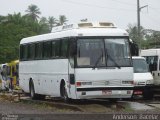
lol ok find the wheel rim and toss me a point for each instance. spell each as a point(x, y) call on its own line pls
point(32, 91)
point(65, 96)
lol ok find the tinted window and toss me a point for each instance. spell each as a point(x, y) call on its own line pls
point(47, 49)
point(31, 51)
point(55, 48)
point(21, 52)
point(25, 52)
point(64, 48)
point(38, 50)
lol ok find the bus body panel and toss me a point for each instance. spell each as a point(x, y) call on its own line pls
point(90, 74)
point(46, 75)
point(103, 79)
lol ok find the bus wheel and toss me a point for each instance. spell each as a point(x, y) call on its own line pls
point(148, 94)
point(32, 91)
point(64, 94)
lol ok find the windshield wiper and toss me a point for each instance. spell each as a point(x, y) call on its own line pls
point(96, 63)
point(109, 56)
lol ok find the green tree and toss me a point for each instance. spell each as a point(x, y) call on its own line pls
point(133, 33)
point(43, 25)
point(52, 22)
point(153, 39)
point(33, 12)
point(62, 20)
point(12, 30)
point(15, 27)
point(2, 19)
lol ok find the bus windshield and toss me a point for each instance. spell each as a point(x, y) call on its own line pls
point(108, 52)
point(140, 66)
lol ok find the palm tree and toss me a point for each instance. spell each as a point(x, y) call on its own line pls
point(43, 20)
point(62, 19)
point(33, 12)
point(43, 26)
point(52, 22)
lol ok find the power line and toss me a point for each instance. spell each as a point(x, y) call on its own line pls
point(98, 6)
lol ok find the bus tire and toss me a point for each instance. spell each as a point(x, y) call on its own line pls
point(41, 97)
point(63, 92)
point(113, 100)
point(33, 95)
point(148, 94)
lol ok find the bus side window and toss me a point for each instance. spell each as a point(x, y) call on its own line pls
point(21, 52)
point(25, 52)
point(38, 50)
point(31, 51)
point(55, 49)
point(64, 48)
point(47, 49)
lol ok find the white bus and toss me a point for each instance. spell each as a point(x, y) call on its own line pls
point(77, 61)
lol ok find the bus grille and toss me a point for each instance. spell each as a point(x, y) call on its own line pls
point(107, 83)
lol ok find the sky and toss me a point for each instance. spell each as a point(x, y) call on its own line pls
point(120, 12)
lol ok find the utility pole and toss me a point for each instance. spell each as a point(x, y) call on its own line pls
point(139, 20)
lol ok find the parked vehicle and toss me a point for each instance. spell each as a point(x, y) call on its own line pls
point(3, 77)
point(153, 59)
point(13, 74)
point(77, 61)
point(143, 79)
point(9, 75)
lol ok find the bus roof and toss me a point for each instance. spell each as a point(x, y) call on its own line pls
point(77, 31)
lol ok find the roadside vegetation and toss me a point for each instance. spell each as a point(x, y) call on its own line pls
point(14, 27)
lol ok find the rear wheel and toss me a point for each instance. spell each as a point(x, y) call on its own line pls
point(33, 95)
point(64, 94)
point(148, 94)
point(32, 91)
point(113, 100)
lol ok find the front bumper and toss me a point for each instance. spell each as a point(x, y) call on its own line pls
point(139, 90)
point(104, 92)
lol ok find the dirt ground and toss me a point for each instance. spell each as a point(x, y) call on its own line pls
point(92, 109)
